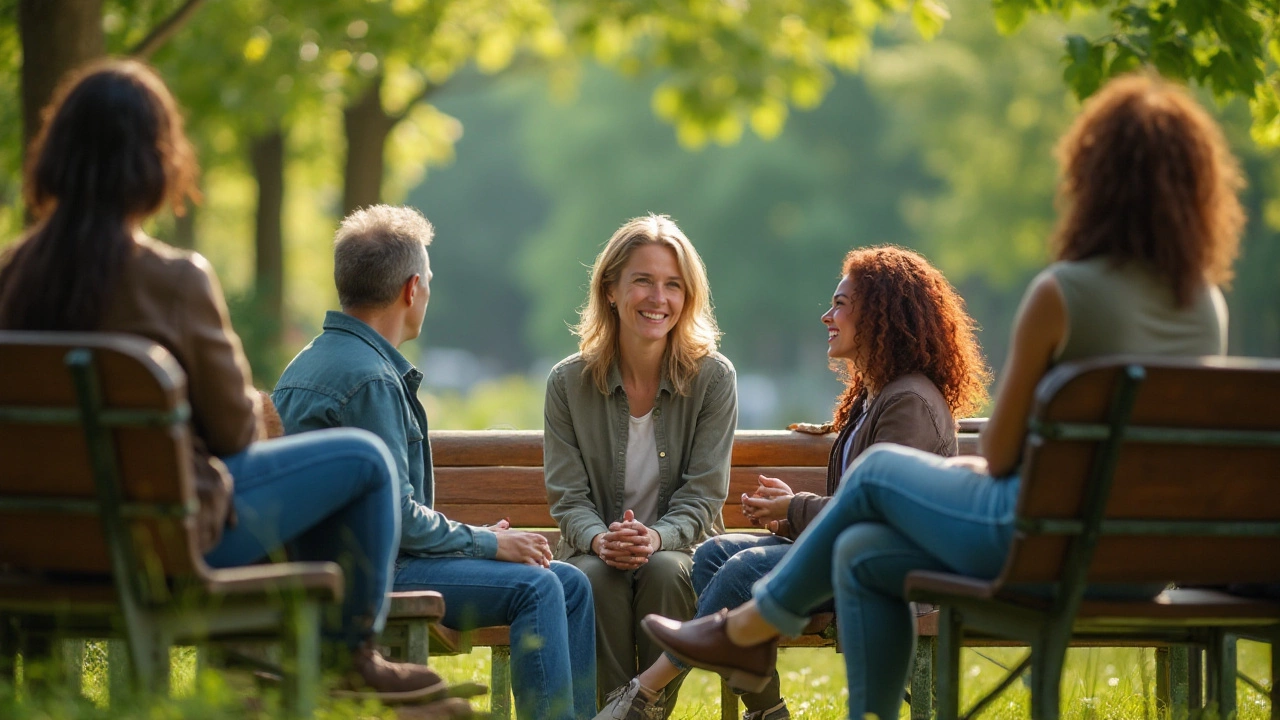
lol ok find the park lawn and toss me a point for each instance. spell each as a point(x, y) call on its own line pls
point(1100, 683)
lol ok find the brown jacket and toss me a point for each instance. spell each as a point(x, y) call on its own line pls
point(173, 298)
point(909, 411)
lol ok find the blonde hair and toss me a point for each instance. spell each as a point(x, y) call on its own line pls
point(695, 333)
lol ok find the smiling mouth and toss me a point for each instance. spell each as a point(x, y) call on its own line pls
point(653, 316)
point(832, 334)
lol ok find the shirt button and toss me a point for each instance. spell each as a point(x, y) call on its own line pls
point(662, 454)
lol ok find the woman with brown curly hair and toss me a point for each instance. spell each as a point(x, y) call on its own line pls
point(898, 334)
point(1150, 227)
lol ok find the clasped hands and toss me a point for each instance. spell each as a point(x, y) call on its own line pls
point(768, 505)
point(518, 546)
point(628, 544)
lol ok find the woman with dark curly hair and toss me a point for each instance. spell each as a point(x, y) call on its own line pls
point(898, 334)
point(1150, 227)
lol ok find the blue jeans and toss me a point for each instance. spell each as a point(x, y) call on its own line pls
point(897, 510)
point(725, 568)
point(552, 619)
point(331, 494)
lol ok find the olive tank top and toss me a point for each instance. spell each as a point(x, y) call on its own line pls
point(1128, 309)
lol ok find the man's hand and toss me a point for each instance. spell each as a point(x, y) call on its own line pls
point(769, 503)
point(627, 545)
point(523, 547)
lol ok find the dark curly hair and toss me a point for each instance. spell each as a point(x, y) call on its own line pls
point(1147, 177)
point(909, 319)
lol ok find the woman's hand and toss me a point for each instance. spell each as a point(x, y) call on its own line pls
point(627, 545)
point(769, 503)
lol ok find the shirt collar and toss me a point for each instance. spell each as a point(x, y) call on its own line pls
point(342, 322)
point(615, 379)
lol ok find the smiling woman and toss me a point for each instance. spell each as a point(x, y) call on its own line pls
point(638, 429)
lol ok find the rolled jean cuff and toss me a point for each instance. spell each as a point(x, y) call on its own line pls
point(787, 622)
point(679, 665)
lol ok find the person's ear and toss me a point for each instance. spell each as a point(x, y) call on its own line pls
point(410, 291)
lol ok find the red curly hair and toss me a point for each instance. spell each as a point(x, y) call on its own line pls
point(1148, 177)
point(909, 319)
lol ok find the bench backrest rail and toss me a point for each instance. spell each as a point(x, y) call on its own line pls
point(95, 446)
point(1145, 470)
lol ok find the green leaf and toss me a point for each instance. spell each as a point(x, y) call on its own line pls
point(1011, 15)
point(1085, 61)
point(929, 16)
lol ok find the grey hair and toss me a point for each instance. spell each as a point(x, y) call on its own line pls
point(375, 251)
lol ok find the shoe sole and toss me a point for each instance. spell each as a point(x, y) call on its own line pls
point(439, 691)
point(736, 677)
point(436, 692)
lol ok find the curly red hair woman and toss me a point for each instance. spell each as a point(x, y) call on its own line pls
point(898, 334)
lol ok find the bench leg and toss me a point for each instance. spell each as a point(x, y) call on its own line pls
point(138, 668)
point(500, 683)
point(950, 636)
point(922, 679)
point(1221, 673)
point(300, 661)
point(417, 646)
point(8, 651)
point(118, 671)
point(71, 654)
point(728, 702)
point(1047, 659)
point(1195, 681)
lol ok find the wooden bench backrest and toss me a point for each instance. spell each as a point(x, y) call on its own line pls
point(483, 476)
point(49, 501)
point(1199, 463)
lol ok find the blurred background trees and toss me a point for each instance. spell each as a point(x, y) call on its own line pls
point(778, 134)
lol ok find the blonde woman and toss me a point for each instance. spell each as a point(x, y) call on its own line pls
point(638, 430)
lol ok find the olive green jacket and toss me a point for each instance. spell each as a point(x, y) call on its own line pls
point(585, 449)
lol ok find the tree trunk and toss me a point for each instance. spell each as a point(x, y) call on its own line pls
point(266, 154)
point(367, 126)
point(57, 36)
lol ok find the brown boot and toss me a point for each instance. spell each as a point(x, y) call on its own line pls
point(704, 643)
point(371, 675)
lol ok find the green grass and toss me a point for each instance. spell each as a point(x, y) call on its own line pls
point(1099, 684)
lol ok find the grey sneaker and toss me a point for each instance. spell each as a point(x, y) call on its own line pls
point(777, 712)
point(629, 702)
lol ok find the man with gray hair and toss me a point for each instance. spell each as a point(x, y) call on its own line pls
point(353, 375)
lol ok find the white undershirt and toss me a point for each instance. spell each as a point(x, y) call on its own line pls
point(640, 492)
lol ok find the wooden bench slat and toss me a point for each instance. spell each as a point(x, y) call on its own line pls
point(507, 486)
point(523, 448)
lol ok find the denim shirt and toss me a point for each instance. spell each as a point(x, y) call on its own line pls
point(350, 376)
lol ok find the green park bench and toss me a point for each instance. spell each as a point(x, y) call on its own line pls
point(1136, 470)
point(97, 507)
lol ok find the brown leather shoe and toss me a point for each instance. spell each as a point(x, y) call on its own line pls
point(704, 643)
point(447, 709)
point(371, 675)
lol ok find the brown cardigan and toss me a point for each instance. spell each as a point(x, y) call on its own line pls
point(172, 297)
point(909, 411)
